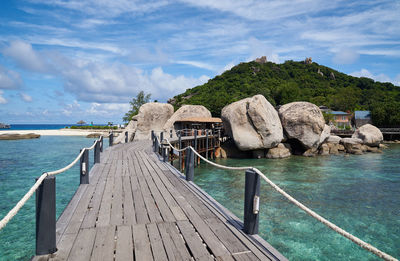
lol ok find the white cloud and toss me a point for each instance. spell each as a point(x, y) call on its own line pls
point(259, 48)
point(197, 64)
point(2, 99)
point(345, 56)
point(25, 56)
point(107, 8)
point(25, 97)
point(107, 109)
point(9, 79)
point(377, 77)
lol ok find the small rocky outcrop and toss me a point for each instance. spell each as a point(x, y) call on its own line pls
point(261, 60)
point(304, 122)
point(94, 135)
point(186, 111)
point(369, 134)
point(253, 123)
point(152, 116)
point(324, 149)
point(13, 136)
point(352, 145)
point(279, 152)
point(334, 139)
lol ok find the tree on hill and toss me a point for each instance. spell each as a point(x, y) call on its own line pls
point(140, 99)
point(297, 81)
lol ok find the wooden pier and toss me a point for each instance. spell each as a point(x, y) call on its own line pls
point(137, 207)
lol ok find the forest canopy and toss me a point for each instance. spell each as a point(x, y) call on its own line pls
point(298, 81)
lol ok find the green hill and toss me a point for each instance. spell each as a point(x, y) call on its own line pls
point(297, 81)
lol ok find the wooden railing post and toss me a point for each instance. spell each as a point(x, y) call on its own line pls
point(153, 140)
point(84, 167)
point(126, 136)
point(189, 164)
point(180, 152)
point(110, 139)
point(251, 202)
point(97, 152)
point(195, 147)
point(206, 144)
point(101, 143)
point(46, 217)
point(161, 139)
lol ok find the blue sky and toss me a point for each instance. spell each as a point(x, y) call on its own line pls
point(62, 61)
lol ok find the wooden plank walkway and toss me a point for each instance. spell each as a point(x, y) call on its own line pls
point(138, 208)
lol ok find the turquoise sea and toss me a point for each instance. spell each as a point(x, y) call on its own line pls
point(21, 161)
point(359, 193)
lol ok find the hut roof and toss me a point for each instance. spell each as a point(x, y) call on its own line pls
point(200, 119)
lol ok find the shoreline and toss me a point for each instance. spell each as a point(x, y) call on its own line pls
point(60, 132)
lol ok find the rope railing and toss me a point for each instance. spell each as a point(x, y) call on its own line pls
point(310, 212)
point(39, 181)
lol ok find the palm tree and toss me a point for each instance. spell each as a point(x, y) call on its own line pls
point(81, 122)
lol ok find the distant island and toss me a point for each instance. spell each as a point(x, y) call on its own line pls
point(297, 81)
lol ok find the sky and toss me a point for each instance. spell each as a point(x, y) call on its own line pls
point(62, 61)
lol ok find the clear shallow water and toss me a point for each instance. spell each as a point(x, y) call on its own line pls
point(361, 194)
point(21, 161)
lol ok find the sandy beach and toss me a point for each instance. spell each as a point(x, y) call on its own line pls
point(61, 132)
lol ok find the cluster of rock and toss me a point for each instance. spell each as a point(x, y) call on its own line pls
point(296, 128)
point(158, 117)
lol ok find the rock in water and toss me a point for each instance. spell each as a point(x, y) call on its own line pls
point(352, 145)
point(278, 152)
point(304, 122)
point(152, 116)
point(253, 123)
point(369, 134)
point(186, 111)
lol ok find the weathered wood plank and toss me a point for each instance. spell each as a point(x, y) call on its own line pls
point(129, 210)
point(175, 208)
point(194, 241)
point(153, 211)
point(141, 243)
point(103, 248)
point(105, 207)
point(83, 245)
point(124, 249)
point(173, 242)
point(94, 205)
point(156, 243)
point(116, 205)
point(158, 198)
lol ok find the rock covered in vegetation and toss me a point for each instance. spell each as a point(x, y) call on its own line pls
point(279, 152)
point(186, 111)
point(152, 116)
point(253, 123)
point(303, 121)
point(369, 134)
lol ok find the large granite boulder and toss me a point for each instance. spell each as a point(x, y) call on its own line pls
point(253, 123)
point(130, 129)
point(186, 111)
point(369, 134)
point(304, 122)
point(152, 116)
point(326, 133)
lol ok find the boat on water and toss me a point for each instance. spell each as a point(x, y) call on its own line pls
point(4, 126)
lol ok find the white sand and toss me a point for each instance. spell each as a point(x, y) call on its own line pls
point(62, 132)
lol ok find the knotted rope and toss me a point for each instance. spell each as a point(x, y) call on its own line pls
point(32, 190)
point(313, 214)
